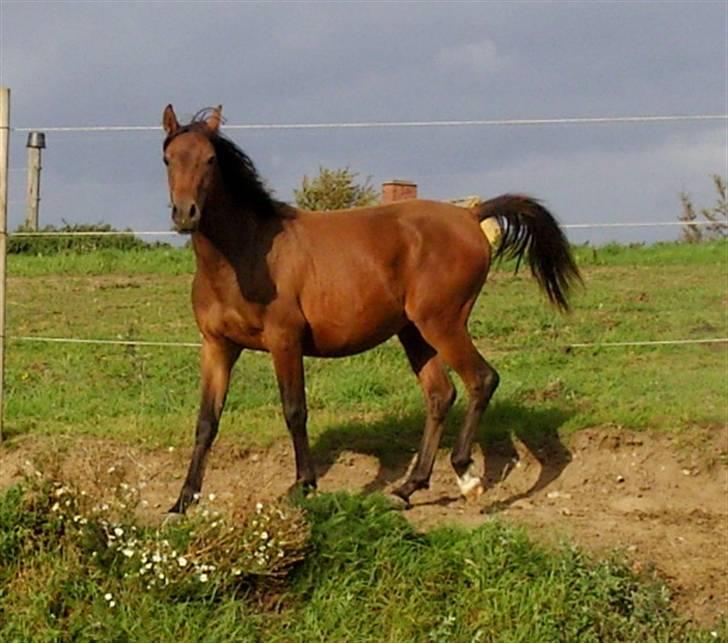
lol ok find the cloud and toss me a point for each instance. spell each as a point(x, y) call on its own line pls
point(474, 57)
point(121, 62)
point(641, 184)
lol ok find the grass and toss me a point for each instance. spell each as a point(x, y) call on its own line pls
point(367, 576)
point(149, 395)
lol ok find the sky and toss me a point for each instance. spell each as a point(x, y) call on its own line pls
point(120, 63)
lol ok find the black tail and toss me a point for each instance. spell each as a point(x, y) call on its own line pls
point(530, 230)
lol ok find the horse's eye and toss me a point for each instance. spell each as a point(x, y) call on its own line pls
point(211, 160)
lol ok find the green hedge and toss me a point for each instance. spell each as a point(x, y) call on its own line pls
point(49, 245)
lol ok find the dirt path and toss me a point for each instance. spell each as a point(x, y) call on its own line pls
point(665, 504)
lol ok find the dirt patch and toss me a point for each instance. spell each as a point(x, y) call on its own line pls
point(665, 504)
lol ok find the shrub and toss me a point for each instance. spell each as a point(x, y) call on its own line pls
point(64, 243)
point(334, 190)
point(717, 216)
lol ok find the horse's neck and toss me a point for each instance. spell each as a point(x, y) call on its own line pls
point(225, 234)
point(239, 247)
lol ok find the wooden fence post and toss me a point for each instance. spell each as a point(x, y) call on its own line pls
point(4, 154)
point(36, 142)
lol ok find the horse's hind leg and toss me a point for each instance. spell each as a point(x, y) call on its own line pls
point(456, 348)
point(439, 395)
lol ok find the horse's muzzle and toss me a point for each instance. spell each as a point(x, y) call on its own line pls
point(186, 219)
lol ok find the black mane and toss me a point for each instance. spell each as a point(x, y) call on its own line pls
point(239, 174)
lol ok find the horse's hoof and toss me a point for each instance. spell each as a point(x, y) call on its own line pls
point(471, 487)
point(172, 518)
point(301, 490)
point(398, 503)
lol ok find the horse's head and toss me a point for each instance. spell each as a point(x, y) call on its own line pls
point(191, 165)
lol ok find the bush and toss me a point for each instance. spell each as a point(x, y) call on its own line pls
point(717, 216)
point(334, 190)
point(64, 243)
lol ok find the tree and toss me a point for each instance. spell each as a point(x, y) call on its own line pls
point(333, 190)
point(717, 216)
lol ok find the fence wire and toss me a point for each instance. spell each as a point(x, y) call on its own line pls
point(161, 233)
point(488, 122)
point(569, 346)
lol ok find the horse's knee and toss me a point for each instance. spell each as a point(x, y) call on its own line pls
point(295, 414)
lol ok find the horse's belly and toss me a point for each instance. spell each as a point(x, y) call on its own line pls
point(337, 336)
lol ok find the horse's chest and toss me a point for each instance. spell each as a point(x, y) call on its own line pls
point(240, 323)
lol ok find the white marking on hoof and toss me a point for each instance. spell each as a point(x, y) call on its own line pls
point(471, 486)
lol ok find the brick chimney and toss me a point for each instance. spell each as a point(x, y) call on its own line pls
point(397, 190)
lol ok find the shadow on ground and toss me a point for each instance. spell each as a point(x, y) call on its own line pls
point(394, 441)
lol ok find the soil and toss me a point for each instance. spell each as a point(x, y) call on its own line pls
point(661, 501)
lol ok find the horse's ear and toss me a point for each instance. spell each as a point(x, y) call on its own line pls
point(169, 120)
point(214, 119)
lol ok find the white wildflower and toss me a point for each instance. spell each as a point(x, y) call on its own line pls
point(118, 531)
point(182, 561)
point(108, 596)
point(203, 578)
point(211, 497)
point(127, 552)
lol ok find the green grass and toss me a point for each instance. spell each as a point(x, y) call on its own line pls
point(368, 576)
point(371, 401)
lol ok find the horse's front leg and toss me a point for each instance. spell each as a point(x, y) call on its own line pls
point(288, 361)
point(218, 358)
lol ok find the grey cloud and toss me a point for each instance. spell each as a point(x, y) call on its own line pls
point(120, 63)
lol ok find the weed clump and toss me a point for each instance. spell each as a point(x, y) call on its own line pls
point(206, 554)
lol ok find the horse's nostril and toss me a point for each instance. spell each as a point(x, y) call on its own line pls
point(193, 211)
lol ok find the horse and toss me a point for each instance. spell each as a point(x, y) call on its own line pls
point(271, 277)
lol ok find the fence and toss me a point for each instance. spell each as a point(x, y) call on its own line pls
point(4, 170)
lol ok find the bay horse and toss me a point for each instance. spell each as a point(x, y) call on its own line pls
point(271, 277)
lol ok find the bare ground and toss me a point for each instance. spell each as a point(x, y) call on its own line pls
point(663, 502)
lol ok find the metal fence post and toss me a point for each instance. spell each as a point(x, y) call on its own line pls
point(36, 142)
point(4, 153)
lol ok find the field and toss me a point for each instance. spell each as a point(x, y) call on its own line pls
point(607, 446)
